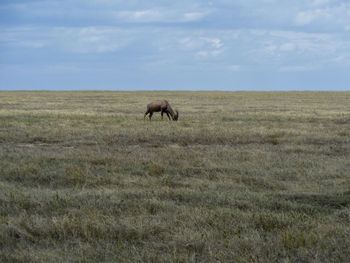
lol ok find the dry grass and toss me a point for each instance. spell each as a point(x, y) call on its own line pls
point(241, 177)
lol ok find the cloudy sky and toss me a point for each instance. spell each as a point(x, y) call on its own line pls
point(183, 44)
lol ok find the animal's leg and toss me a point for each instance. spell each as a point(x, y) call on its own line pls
point(150, 116)
point(167, 113)
point(164, 109)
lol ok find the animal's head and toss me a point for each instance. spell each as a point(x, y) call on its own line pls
point(176, 117)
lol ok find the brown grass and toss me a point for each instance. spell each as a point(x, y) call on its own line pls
point(241, 177)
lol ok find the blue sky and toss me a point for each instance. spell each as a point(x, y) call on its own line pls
point(192, 44)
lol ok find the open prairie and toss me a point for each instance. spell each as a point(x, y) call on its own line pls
point(241, 177)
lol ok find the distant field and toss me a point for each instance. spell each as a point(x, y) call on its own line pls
point(241, 177)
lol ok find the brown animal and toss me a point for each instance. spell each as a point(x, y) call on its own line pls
point(161, 106)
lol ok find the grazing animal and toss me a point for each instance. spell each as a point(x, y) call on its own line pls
point(161, 106)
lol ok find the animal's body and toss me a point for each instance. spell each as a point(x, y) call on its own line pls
point(161, 106)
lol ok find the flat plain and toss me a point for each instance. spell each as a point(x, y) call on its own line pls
point(241, 177)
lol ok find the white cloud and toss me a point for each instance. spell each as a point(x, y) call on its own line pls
point(198, 42)
point(188, 43)
point(214, 42)
point(194, 16)
point(320, 2)
point(339, 59)
point(140, 16)
point(159, 15)
point(298, 68)
point(301, 42)
point(293, 35)
point(22, 37)
point(234, 68)
point(203, 47)
point(290, 51)
point(325, 15)
point(307, 17)
point(258, 32)
point(288, 47)
point(269, 47)
point(194, 49)
point(31, 44)
point(63, 68)
point(202, 54)
point(304, 18)
point(91, 39)
point(208, 53)
point(68, 39)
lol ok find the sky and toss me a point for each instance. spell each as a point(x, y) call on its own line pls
point(175, 45)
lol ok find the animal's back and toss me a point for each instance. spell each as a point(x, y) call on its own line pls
point(156, 105)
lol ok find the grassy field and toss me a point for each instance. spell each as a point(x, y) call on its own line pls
point(241, 177)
